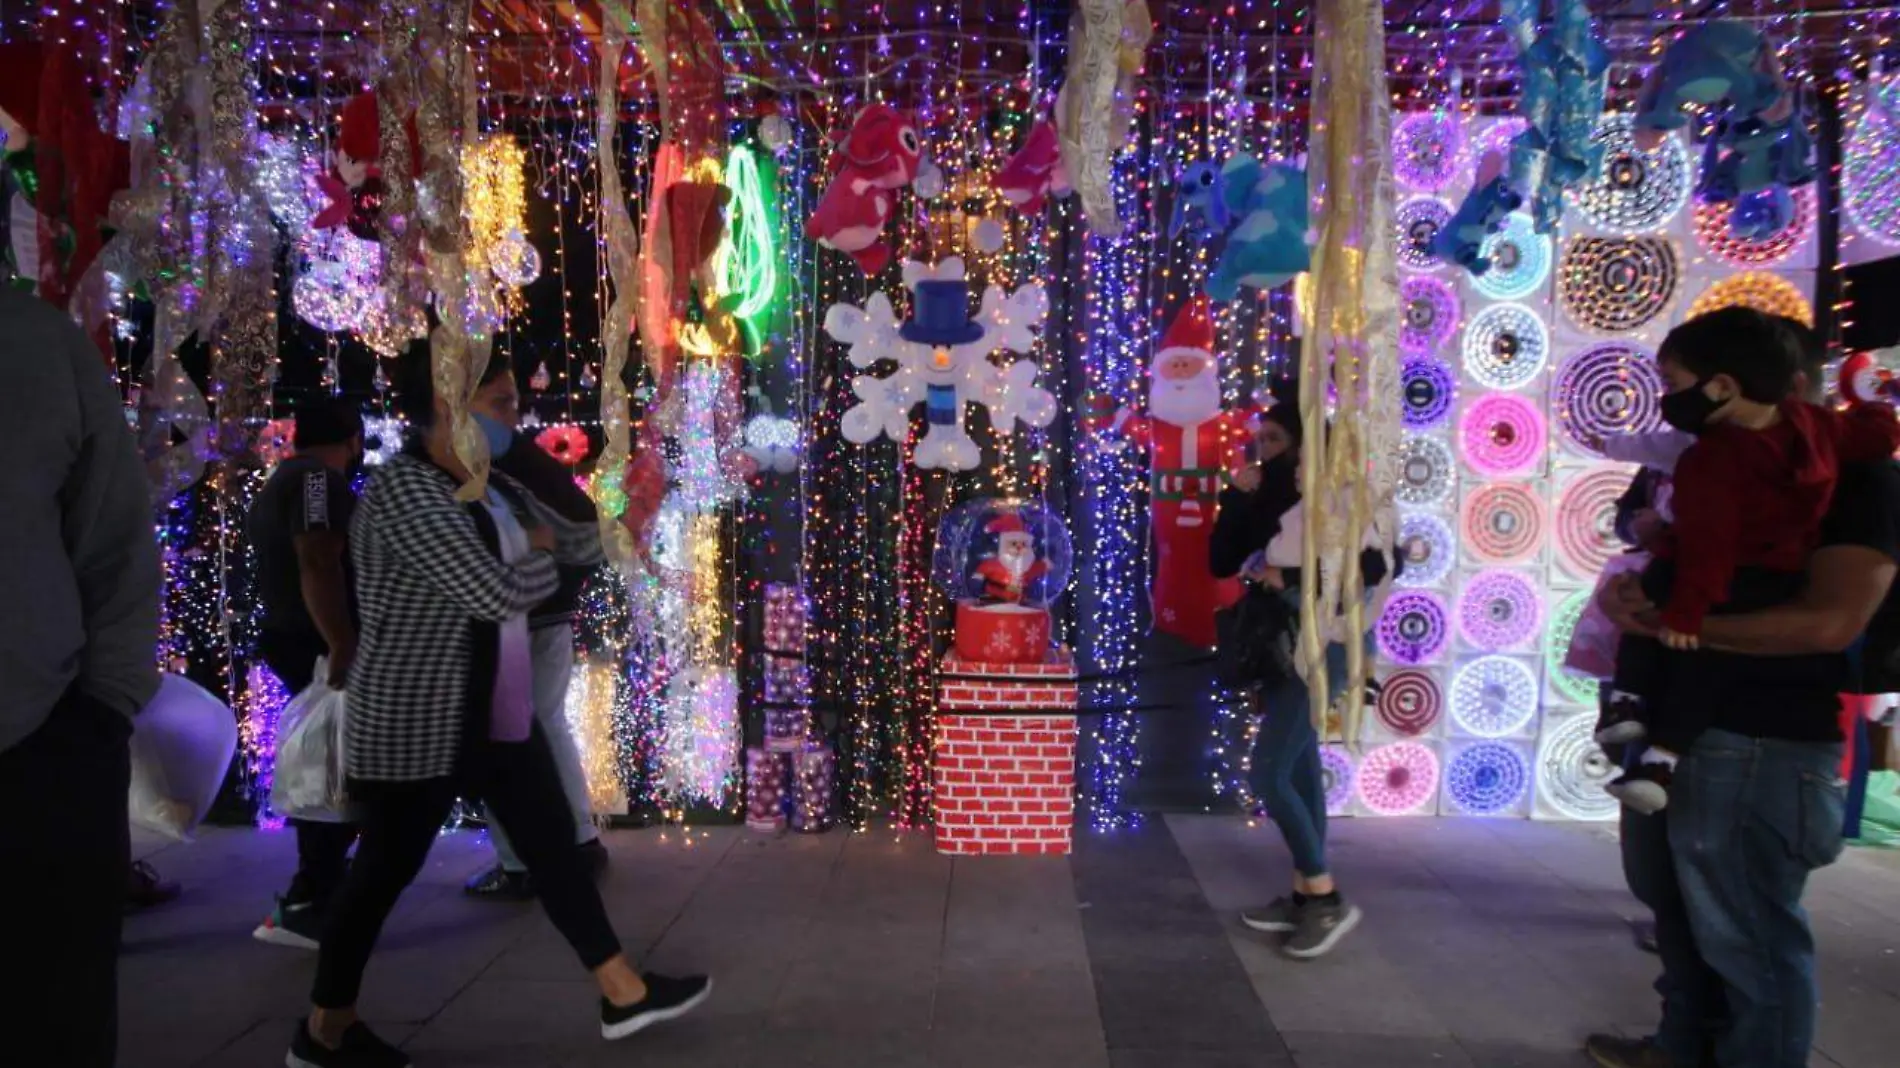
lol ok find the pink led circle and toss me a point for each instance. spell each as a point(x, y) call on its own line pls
point(1504, 523)
point(1413, 628)
point(1607, 389)
point(1410, 703)
point(1425, 150)
point(1712, 233)
point(1586, 522)
point(1336, 774)
point(1429, 314)
point(1502, 434)
point(1499, 610)
point(1398, 779)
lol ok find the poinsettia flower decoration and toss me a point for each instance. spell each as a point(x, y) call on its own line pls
point(566, 443)
point(275, 442)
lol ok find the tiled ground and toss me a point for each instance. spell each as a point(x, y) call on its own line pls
point(1485, 945)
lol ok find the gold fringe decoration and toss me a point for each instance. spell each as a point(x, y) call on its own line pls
point(1351, 340)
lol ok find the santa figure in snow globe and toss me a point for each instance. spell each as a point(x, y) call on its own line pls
point(1004, 561)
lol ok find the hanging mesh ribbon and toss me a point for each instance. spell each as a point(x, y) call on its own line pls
point(1353, 335)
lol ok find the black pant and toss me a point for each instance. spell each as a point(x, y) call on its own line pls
point(1673, 688)
point(400, 821)
point(66, 845)
point(323, 849)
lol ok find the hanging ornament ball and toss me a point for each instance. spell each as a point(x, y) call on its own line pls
point(990, 236)
point(929, 181)
point(775, 133)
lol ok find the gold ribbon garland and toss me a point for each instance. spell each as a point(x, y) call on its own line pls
point(241, 285)
point(623, 274)
point(1352, 339)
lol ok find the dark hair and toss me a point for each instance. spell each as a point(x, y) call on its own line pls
point(1755, 349)
point(1813, 351)
point(1287, 414)
point(415, 381)
point(327, 421)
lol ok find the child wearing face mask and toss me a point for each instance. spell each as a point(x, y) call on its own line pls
point(1748, 499)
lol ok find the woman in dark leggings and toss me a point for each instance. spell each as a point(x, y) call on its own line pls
point(441, 706)
point(1286, 769)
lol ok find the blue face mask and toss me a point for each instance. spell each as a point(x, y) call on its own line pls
point(499, 436)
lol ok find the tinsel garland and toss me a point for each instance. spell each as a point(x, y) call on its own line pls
point(622, 275)
point(241, 285)
point(1353, 333)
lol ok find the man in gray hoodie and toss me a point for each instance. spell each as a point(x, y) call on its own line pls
point(79, 587)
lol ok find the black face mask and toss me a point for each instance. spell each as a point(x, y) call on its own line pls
point(1688, 410)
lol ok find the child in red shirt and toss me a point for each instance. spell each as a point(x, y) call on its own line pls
point(1749, 497)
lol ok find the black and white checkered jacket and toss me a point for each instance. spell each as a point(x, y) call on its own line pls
point(433, 590)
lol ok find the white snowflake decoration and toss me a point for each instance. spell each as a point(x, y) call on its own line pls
point(1009, 322)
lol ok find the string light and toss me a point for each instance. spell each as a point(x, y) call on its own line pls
point(1759, 290)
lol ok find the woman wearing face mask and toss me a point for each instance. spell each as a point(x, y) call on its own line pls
point(496, 407)
point(1259, 536)
point(441, 706)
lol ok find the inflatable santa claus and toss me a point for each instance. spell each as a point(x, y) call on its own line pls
point(1192, 442)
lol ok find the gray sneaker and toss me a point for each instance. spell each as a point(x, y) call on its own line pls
point(1281, 916)
point(1320, 927)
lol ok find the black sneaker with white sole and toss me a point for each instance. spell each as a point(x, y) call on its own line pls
point(667, 998)
point(360, 1049)
point(1322, 922)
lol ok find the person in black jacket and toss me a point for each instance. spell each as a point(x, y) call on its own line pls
point(496, 407)
point(1286, 771)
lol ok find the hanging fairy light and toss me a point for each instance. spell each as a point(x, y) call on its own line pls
point(747, 259)
point(382, 439)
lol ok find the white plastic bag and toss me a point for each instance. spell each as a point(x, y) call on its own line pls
point(308, 781)
point(182, 745)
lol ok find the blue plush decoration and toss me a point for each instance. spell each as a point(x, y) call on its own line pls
point(1200, 198)
point(1265, 204)
point(1564, 68)
point(1760, 216)
point(1713, 62)
point(1484, 210)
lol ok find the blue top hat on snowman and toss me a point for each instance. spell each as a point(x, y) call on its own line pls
point(941, 314)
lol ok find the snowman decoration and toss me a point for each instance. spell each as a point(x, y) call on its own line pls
point(943, 360)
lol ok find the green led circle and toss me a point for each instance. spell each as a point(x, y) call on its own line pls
point(1578, 689)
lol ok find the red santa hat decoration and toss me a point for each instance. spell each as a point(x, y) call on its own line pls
point(1191, 333)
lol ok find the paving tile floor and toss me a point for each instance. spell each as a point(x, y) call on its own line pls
point(1486, 944)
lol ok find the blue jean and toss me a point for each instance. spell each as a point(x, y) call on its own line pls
point(1749, 819)
point(1285, 771)
point(1694, 1004)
